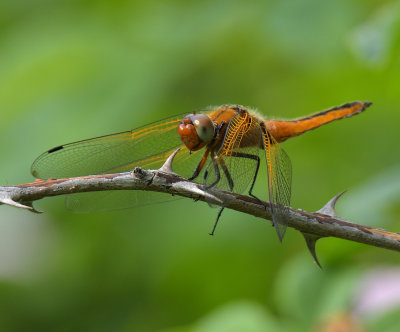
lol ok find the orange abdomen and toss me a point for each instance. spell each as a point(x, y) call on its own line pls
point(282, 130)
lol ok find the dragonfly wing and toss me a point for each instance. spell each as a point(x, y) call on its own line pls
point(279, 170)
point(147, 147)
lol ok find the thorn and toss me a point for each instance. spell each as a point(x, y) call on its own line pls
point(167, 167)
point(9, 201)
point(195, 189)
point(329, 208)
point(311, 240)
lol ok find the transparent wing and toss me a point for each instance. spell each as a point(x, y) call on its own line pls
point(146, 146)
point(279, 182)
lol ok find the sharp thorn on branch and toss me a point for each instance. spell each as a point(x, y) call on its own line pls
point(167, 167)
point(311, 240)
point(329, 208)
point(196, 189)
point(9, 201)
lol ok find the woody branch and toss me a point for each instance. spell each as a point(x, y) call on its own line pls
point(314, 225)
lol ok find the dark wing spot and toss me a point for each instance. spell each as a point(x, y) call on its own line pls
point(55, 149)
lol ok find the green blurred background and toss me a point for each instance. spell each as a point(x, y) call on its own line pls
point(71, 70)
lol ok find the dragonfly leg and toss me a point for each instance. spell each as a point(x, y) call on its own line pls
point(217, 173)
point(230, 180)
point(227, 174)
point(216, 221)
point(218, 177)
point(199, 166)
point(255, 158)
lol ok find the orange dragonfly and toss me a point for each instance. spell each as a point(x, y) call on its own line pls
point(223, 147)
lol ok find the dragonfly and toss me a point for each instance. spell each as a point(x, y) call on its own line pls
point(222, 147)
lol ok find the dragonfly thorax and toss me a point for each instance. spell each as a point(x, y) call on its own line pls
point(196, 130)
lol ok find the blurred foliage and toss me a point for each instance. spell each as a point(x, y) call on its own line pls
point(71, 70)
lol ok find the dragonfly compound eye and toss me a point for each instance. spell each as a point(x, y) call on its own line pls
point(204, 127)
point(196, 130)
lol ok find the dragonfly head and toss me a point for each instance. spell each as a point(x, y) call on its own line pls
point(196, 130)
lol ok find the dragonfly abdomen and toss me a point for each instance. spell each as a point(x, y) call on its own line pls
point(282, 130)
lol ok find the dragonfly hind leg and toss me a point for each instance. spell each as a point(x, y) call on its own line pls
point(257, 159)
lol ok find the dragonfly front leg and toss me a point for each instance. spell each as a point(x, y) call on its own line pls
point(199, 166)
